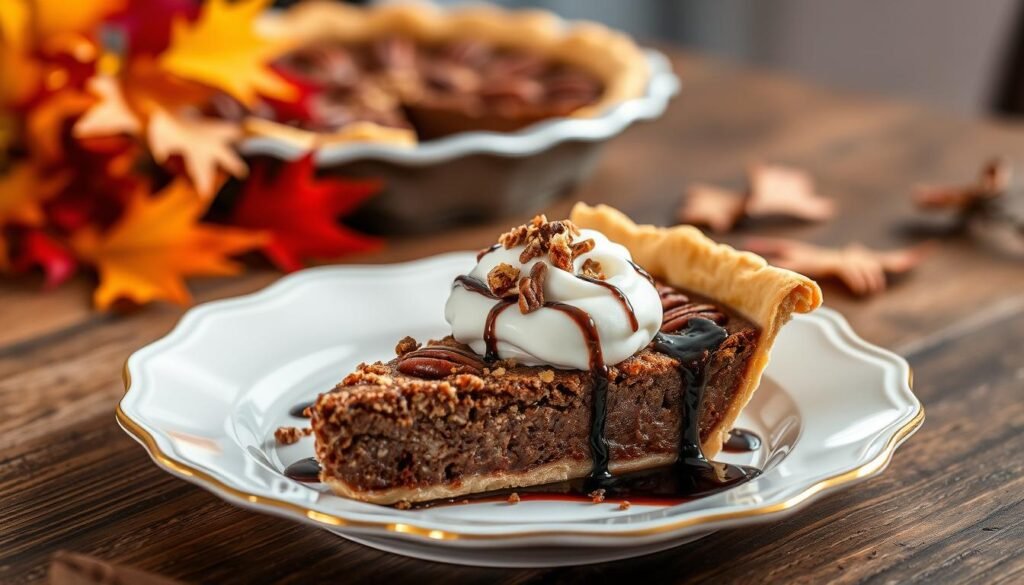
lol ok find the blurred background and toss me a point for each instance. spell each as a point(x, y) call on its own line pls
point(956, 55)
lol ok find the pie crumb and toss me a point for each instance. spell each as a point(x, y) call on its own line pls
point(403, 505)
point(513, 498)
point(597, 496)
point(624, 505)
point(289, 435)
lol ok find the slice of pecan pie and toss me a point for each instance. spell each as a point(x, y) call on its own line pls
point(403, 73)
point(566, 361)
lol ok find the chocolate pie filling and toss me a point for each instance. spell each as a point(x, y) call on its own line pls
point(442, 415)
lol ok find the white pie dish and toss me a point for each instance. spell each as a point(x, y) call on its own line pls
point(205, 400)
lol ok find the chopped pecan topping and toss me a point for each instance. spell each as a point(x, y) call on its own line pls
point(582, 247)
point(502, 280)
point(531, 289)
point(540, 237)
point(405, 345)
point(679, 310)
point(592, 269)
point(438, 361)
point(560, 252)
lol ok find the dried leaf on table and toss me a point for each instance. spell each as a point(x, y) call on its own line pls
point(719, 209)
point(863, 270)
point(158, 242)
point(110, 114)
point(993, 182)
point(204, 145)
point(779, 190)
point(223, 49)
point(301, 213)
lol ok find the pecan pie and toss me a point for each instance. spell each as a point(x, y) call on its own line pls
point(630, 348)
point(403, 73)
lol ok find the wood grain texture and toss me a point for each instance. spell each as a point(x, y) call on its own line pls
point(950, 509)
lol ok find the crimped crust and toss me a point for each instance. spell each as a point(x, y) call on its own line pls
point(607, 54)
point(684, 257)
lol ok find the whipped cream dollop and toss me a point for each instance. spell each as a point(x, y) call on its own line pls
point(550, 336)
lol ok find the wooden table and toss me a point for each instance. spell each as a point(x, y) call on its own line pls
point(950, 508)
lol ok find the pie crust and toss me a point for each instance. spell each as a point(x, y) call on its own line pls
point(684, 257)
point(610, 56)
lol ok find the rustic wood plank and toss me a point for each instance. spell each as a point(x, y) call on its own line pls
point(950, 509)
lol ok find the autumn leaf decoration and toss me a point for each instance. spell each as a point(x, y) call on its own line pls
point(99, 101)
point(300, 213)
point(222, 49)
point(158, 242)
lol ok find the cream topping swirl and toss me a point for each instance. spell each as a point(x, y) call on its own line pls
point(548, 336)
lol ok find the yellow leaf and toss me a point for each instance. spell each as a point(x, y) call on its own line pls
point(22, 191)
point(110, 115)
point(222, 49)
point(204, 145)
point(158, 242)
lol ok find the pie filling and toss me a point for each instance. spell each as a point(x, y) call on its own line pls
point(432, 89)
point(521, 396)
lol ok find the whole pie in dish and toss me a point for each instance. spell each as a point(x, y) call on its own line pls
point(591, 351)
point(403, 73)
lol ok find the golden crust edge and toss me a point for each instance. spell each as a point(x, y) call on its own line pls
point(609, 54)
point(551, 472)
point(685, 257)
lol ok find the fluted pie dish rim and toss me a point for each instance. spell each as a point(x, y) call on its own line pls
point(180, 391)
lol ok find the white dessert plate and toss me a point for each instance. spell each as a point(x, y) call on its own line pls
point(205, 400)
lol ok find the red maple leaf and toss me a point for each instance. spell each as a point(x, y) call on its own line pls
point(38, 249)
point(301, 212)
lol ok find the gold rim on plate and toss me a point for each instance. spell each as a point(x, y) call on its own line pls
point(870, 468)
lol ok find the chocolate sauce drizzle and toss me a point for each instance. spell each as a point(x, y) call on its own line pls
point(299, 410)
point(741, 441)
point(305, 470)
point(618, 294)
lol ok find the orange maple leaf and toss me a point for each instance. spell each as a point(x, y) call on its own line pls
point(47, 121)
point(110, 115)
point(52, 20)
point(158, 242)
point(22, 191)
point(222, 49)
point(204, 145)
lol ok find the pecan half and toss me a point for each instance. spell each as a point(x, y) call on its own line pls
point(435, 362)
point(502, 280)
point(531, 289)
point(680, 310)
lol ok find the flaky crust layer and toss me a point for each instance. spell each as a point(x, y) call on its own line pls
point(682, 256)
point(609, 55)
point(549, 473)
